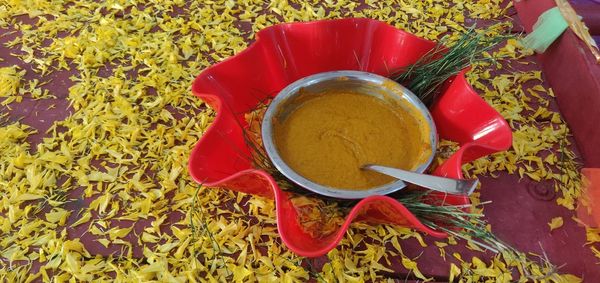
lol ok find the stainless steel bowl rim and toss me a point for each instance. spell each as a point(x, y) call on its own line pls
point(293, 89)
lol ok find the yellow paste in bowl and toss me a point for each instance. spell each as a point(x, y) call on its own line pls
point(328, 137)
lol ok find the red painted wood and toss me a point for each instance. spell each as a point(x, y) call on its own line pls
point(573, 73)
point(590, 12)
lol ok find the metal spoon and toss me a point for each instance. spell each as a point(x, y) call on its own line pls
point(440, 184)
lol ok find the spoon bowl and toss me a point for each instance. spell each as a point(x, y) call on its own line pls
point(356, 81)
point(436, 183)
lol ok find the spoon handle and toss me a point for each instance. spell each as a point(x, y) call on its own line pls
point(436, 183)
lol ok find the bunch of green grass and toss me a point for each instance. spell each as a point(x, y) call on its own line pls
point(460, 221)
point(426, 76)
point(463, 222)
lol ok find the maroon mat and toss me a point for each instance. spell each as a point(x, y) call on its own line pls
point(519, 212)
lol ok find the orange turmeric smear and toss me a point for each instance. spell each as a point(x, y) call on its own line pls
point(330, 136)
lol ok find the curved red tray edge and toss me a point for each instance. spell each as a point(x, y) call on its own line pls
point(460, 115)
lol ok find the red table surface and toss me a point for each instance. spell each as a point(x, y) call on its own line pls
point(519, 212)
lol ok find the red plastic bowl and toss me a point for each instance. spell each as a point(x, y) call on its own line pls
point(285, 53)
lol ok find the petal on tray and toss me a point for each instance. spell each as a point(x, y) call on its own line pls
point(285, 53)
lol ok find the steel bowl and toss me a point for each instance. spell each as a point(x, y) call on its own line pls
point(359, 82)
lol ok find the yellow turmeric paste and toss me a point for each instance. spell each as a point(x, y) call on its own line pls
point(330, 136)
